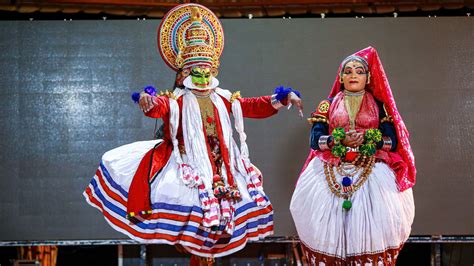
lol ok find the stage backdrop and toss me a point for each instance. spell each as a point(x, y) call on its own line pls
point(65, 100)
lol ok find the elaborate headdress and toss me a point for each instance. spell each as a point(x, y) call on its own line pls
point(190, 35)
point(380, 88)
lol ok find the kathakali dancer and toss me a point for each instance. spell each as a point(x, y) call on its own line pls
point(195, 187)
point(353, 202)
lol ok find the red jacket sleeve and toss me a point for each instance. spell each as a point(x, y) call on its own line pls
point(161, 108)
point(257, 107)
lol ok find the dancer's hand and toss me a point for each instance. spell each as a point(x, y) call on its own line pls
point(353, 139)
point(146, 102)
point(293, 99)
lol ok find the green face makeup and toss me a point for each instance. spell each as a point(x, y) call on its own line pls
point(201, 77)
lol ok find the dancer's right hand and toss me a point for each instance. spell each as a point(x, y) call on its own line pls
point(353, 139)
point(146, 102)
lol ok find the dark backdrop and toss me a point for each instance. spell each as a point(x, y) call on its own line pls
point(65, 99)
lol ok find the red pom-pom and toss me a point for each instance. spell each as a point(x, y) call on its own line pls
point(350, 156)
point(209, 119)
point(216, 178)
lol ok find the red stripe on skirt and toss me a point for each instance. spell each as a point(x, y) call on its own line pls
point(136, 233)
point(107, 190)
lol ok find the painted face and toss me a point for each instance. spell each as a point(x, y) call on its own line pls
point(354, 76)
point(201, 76)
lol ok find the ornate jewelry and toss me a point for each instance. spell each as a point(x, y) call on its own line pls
point(347, 187)
point(323, 107)
point(352, 103)
point(179, 32)
point(387, 143)
point(350, 93)
point(276, 103)
point(323, 142)
point(318, 119)
point(386, 119)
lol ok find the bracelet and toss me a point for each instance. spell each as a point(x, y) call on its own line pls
point(276, 103)
point(387, 143)
point(323, 142)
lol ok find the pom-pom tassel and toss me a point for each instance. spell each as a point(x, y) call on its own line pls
point(136, 97)
point(148, 89)
point(282, 92)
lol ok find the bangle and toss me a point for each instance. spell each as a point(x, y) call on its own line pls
point(323, 142)
point(276, 103)
point(387, 143)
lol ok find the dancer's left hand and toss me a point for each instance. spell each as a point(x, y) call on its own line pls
point(146, 102)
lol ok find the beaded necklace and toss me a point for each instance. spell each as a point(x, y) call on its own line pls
point(347, 187)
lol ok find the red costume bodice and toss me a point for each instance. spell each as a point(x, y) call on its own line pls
point(367, 117)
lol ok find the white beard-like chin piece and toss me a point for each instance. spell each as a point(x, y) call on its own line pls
point(188, 83)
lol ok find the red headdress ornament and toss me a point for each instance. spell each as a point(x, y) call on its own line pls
point(380, 89)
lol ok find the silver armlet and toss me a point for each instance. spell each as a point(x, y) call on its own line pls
point(276, 103)
point(387, 143)
point(323, 142)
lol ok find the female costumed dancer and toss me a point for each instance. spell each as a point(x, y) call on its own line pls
point(353, 203)
point(194, 188)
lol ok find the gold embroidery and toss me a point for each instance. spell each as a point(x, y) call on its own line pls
point(171, 36)
point(323, 107)
point(317, 119)
point(352, 104)
point(207, 115)
point(386, 119)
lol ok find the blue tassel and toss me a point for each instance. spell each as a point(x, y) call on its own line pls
point(150, 90)
point(346, 181)
point(296, 92)
point(136, 97)
point(282, 92)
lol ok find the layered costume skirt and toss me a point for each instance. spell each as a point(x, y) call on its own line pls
point(373, 231)
point(176, 216)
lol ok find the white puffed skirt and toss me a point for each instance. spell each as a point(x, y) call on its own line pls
point(372, 232)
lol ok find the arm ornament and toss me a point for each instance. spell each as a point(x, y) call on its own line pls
point(276, 103)
point(386, 119)
point(323, 142)
point(338, 150)
point(321, 114)
point(317, 119)
point(372, 136)
point(387, 143)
